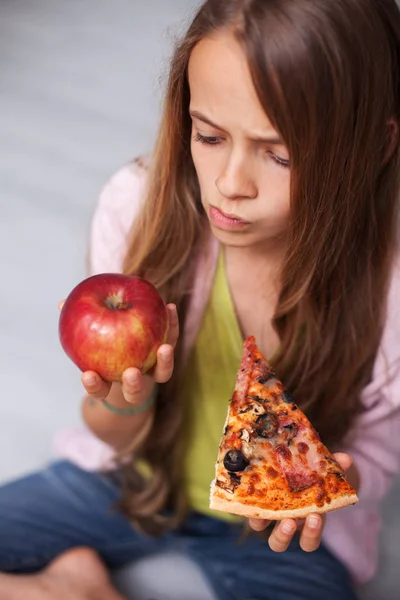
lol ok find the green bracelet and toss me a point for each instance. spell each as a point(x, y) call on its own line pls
point(134, 410)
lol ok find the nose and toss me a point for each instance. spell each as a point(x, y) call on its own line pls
point(236, 182)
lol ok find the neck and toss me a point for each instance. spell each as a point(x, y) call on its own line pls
point(260, 263)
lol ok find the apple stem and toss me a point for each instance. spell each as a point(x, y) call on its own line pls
point(116, 302)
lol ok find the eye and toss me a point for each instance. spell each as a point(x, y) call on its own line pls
point(210, 140)
point(282, 162)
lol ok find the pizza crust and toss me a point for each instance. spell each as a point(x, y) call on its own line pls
point(253, 512)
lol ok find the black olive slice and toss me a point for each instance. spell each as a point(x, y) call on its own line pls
point(234, 461)
point(286, 397)
point(266, 425)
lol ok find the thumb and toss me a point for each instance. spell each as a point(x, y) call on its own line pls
point(345, 461)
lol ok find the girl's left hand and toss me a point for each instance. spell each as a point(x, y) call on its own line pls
point(310, 528)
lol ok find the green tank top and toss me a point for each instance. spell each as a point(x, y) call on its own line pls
point(207, 386)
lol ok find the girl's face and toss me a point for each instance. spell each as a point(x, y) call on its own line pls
point(241, 163)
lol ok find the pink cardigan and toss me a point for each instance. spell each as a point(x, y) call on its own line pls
point(350, 533)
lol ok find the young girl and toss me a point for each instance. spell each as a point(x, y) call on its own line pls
point(270, 208)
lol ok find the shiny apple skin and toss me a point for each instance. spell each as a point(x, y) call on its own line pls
point(110, 322)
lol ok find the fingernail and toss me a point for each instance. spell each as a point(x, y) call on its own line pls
point(313, 521)
point(89, 381)
point(287, 527)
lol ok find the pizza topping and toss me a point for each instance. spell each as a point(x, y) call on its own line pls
point(230, 483)
point(300, 481)
point(250, 403)
point(258, 410)
point(247, 450)
point(251, 489)
point(257, 398)
point(235, 461)
point(272, 474)
point(289, 432)
point(235, 479)
point(245, 435)
point(286, 397)
point(302, 448)
point(283, 451)
point(266, 425)
point(269, 393)
point(333, 466)
point(228, 487)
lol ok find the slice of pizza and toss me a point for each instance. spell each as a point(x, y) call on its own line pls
point(271, 462)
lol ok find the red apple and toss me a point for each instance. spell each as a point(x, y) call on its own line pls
point(110, 322)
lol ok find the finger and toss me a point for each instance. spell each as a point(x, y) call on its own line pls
point(95, 385)
point(173, 325)
point(258, 524)
point(282, 535)
point(345, 461)
point(61, 304)
point(165, 363)
point(310, 537)
point(132, 385)
point(300, 524)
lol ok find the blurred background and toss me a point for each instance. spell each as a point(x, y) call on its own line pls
point(80, 90)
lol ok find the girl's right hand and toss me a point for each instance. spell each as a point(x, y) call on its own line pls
point(137, 388)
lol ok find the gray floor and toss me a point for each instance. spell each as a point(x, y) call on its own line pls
point(79, 95)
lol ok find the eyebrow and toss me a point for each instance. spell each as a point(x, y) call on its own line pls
point(274, 139)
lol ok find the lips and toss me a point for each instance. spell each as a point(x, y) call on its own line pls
point(226, 221)
point(230, 216)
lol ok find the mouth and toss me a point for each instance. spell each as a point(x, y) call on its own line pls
point(223, 220)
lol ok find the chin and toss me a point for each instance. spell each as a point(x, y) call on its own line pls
point(247, 239)
point(236, 239)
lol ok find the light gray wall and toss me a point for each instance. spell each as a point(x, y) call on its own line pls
point(80, 92)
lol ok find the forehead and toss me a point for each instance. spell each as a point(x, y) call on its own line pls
point(221, 85)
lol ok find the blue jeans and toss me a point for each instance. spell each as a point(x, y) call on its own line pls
point(62, 507)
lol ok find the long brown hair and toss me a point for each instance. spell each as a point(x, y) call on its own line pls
point(328, 76)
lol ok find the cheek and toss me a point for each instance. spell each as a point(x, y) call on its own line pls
point(274, 189)
point(206, 164)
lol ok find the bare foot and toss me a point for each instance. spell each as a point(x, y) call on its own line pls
point(77, 574)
